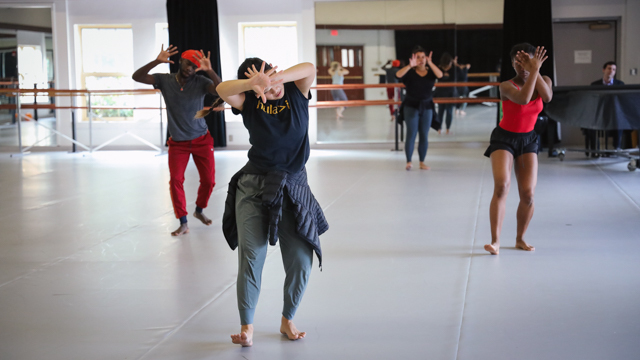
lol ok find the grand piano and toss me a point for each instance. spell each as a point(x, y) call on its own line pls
point(598, 108)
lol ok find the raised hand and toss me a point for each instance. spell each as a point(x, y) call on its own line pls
point(205, 62)
point(165, 55)
point(262, 81)
point(531, 63)
point(429, 57)
point(413, 61)
point(253, 72)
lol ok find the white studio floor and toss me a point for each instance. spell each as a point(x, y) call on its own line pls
point(88, 269)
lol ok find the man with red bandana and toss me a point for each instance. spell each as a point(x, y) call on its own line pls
point(183, 94)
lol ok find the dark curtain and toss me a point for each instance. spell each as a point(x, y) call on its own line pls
point(530, 21)
point(193, 25)
point(527, 21)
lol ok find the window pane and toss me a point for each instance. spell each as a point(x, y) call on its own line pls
point(350, 57)
point(277, 45)
point(162, 41)
point(345, 58)
point(359, 58)
point(107, 50)
point(106, 83)
point(31, 71)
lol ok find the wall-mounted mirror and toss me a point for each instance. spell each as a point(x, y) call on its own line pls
point(364, 37)
point(26, 61)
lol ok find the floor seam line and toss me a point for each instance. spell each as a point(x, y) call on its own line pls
point(182, 324)
point(347, 190)
point(52, 263)
point(49, 264)
point(619, 187)
point(473, 243)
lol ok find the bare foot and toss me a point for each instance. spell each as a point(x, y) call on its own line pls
point(408, 167)
point(182, 230)
point(447, 131)
point(202, 217)
point(462, 113)
point(424, 166)
point(521, 244)
point(440, 132)
point(494, 248)
point(245, 338)
point(288, 328)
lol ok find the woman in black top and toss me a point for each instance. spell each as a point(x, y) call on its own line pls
point(418, 77)
point(269, 199)
point(445, 111)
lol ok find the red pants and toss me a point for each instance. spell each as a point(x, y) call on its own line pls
point(179, 151)
point(391, 94)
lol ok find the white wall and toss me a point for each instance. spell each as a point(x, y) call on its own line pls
point(379, 46)
point(629, 13)
point(409, 12)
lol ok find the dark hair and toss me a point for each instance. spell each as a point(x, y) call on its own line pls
point(257, 62)
point(417, 49)
point(445, 60)
point(526, 47)
point(609, 63)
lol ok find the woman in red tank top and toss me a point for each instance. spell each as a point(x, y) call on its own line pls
point(514, 141)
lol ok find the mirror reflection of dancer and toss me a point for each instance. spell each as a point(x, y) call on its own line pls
point(514, 139)
point(269, 199)
point(337, 73)
point(183, 93)
point(390, 69)
point(418, 104)
point(445, 111)
point(462, 71)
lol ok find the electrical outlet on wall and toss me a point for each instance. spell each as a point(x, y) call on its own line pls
point(634, 71)
point(230, 138)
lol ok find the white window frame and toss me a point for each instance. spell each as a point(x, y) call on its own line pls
point(83, 75)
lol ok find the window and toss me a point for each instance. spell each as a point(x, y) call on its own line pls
point(162, 41)
point(31, 71)
point(275, 43)
point(107, 63)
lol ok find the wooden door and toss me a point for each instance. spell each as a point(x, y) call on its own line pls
point(351, 58)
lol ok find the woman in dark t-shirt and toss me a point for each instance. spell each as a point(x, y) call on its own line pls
point(269, 199)
point(418, 77)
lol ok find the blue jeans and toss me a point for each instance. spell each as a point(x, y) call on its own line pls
point(417, 124)
point(445, 110)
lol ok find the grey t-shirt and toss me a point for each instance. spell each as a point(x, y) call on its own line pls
point(391, 75)
point(182, 105)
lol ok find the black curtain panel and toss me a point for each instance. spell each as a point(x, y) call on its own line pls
point(527, 21)
point(193, 25)
point(530, 21)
